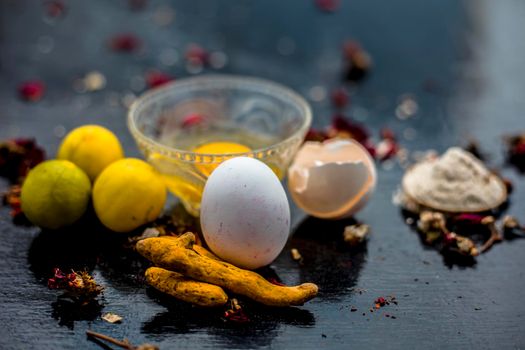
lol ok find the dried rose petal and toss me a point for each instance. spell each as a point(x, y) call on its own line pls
point(192, 120)
point(55, 9)
point(340, 97)
point(275, 281)
point(137, 5)
point(516, 151)
point(354, 130)
point(237, 316)
point(358, 61)
point(79, 286)
point(388, 134)
point(18, 156)
point(12, 199)
point(126, 42)
point(327, 5)
point(449, 238)
point(381, 301)
point(32, 90)
point(468, 219)
point(386, 149)
point(315, 135)
point(196, 54)
point(157, 78)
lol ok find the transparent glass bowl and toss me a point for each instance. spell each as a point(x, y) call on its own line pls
point(169, 122)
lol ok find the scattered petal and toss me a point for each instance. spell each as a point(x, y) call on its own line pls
point(126, 42)
point(32, 90)
point(55, 9)
point(192, 120)
point(328, 5)
point(342, 126)
point(358, 61)
point(315, 135)
point(156, 78)
point(340, 97)
point(196, 54)
point(18, 156)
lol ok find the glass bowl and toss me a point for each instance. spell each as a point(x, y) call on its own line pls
point(169, 122)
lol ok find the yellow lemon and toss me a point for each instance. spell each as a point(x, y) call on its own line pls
point(127, 194)
point(217, 148)
point(55, 193)
point(92, 148)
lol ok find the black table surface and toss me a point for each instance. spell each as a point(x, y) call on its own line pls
point(471, 54)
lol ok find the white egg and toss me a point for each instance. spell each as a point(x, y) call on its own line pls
point(245, 215)
point(333, 179)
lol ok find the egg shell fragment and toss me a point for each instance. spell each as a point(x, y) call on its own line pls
point(333, 179)
point(245, 215)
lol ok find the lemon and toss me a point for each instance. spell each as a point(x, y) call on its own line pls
point(55, 194)
point(92, 148)
point(218, 148)
point(127, 194)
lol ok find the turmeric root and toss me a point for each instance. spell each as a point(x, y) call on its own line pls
point(179, 255)
point(186, 289)
point(198, 248)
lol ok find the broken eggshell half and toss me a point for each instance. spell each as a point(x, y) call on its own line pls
point(332, 179)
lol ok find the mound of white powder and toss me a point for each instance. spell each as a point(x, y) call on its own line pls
point(455, 182)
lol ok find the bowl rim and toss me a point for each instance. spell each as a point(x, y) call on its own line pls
point(281, 90)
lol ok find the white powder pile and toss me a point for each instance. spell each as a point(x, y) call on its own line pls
point(455, 182)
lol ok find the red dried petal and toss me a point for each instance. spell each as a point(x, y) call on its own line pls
point(192, 120)
point(327, 5)
point(137, 5)
point(197, 54)
point(126, 42)
point(340, 98)
point(275, 281)
point(237, 316)
point(32, 90)
point(386, 149)
point(315, 135)
point(380, 301)
point(355, 130)
point(388, 134)
point(358, 61)
point(350, 49)
point(468, 219)
point(519, 149)
point(156, 78)
point(449, 238)
point(55, 8)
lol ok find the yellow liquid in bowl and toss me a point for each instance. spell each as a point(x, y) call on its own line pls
point(220, 147)
point(185, 178)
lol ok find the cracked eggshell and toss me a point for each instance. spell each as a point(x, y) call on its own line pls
point(333, 179)
point(245, 215)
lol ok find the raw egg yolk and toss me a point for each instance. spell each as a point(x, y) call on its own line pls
point(217, 148)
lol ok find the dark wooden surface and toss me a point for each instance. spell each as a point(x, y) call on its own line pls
point(471, 52)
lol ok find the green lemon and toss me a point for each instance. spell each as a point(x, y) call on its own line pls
point(55, 194)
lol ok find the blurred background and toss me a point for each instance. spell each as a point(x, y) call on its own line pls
point(460, 60)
